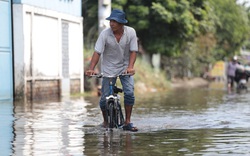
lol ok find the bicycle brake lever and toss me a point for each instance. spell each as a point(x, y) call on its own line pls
point(97, 75)
point(100, 75)
point(125, 74)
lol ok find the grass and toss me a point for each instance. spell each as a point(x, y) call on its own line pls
point(147, 79)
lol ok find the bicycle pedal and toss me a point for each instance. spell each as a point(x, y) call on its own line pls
point(120, 127)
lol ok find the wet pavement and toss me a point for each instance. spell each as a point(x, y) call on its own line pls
point(201, 121)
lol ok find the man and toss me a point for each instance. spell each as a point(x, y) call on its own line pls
point(231, 69)
point(117, 46)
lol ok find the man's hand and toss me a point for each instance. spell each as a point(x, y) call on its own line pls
point(93, 62)
point(90, 72)
point(130, 71)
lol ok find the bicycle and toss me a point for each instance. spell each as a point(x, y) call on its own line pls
point(114, 115)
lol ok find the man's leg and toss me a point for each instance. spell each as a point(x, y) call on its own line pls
point(104, 118)
point(105, 93)
point(129, 100)
point(128, 125)
point(128, 112)
point(229, 83)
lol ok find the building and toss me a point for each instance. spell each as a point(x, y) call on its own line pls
point(43, 54)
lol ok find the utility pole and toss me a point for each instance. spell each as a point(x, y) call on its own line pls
point(104, 10)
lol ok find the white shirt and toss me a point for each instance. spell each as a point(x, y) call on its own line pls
point(115, 55)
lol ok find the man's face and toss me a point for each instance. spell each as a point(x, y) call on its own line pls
point(115, 25)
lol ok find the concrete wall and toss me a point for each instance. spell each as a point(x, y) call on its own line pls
point(48, 47)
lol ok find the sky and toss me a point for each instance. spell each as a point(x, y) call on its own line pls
point(242, 1)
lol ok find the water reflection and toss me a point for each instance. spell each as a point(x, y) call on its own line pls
point(171, 142)
point(205, 121)
point(6, 132)
point(49, 128)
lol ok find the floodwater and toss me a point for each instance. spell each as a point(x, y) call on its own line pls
point(201, 121)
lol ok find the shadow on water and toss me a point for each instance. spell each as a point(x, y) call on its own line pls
point(202, 121)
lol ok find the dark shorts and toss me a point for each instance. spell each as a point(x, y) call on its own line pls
point(230, 80)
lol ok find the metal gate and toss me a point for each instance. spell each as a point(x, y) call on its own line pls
point(6, 69)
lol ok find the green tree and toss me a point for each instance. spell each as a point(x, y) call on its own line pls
point(232, 28)
point(170, 27)
point(197, 32)
point(90, 22)
point(163, 26)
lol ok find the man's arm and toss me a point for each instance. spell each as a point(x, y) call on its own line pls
point(132, 59)
point(93, 63)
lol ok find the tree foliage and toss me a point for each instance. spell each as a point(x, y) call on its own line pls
point(199, 31)
point(90, 22)
point(232, 28)
point(163, 26)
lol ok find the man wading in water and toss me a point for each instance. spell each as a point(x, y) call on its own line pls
point(117, 46)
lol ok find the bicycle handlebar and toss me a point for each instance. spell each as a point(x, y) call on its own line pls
point(110, 76)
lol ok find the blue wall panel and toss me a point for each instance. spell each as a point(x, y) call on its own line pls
point(5, 76)
point(4, 24)
point(6, 71)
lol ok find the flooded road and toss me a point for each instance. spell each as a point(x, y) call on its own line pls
point(204, 121)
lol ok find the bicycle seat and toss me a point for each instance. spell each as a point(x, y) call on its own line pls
point(117, 90)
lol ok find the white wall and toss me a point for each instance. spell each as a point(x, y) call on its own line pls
point(38, 44)
point(45, 45)
point(72, 7)
point(75, 46)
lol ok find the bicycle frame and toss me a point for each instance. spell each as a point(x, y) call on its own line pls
point(114, 115)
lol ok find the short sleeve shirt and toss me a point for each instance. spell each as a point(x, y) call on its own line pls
point(231, 69)
point(115, 55)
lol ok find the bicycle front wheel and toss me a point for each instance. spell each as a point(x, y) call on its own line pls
point(120, 119)
point(111, 116)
